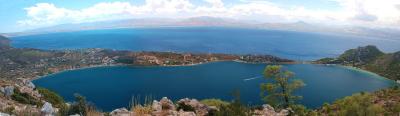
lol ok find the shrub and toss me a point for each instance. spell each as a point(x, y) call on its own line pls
point(25, 98)
point(52, 97)
point(142, 110)
point(185, 107)
point(214, 102)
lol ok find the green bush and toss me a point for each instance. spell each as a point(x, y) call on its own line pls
point(214, 102)
point(25, 98)
point(52, 97)
point(184, 107)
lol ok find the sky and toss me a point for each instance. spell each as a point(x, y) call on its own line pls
point(20, 15)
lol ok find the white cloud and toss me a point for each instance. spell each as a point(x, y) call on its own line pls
point(356, 12)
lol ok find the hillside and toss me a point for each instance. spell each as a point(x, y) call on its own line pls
point(369, 58)
point(4, 42)
point(385, 102)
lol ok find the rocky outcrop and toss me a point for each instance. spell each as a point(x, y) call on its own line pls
point(268, 110)
point(193, 104)
point(165, 107)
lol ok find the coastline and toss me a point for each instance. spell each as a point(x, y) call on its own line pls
point(359, 70)
point(367, 72)
point(116, 65)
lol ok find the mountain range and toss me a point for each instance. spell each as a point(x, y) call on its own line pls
point(386, 33)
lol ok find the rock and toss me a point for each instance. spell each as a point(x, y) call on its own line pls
point(121, 112)
point(2, 91)
point(4, 114)
point(8, 90)
point(167, 104)
point(200, 108)
point(30, 85)
point(47, 109)
point(284, 112)
point(183, 113)
point(156, 106)
point(164, 108)
point(268, 110)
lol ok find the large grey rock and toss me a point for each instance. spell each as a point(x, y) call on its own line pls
point(30, 85)
point(4, 114)
point(8, 90)
point(47, 109)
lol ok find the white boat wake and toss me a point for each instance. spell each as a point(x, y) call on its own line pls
point(252, 78)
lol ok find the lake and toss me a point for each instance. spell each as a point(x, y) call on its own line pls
point(286, 44)
point(113, 87)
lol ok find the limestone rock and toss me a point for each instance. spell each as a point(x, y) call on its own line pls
point(167, 104)
point(268, 110)
point(47, 109)
point(121, 112)
point(156, 106)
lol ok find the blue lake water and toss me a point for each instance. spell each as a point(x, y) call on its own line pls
point(287, 44)
point(113, 87)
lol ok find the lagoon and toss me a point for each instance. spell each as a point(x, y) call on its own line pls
point(114, 86)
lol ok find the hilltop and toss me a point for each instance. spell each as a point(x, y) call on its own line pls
point(369, 58)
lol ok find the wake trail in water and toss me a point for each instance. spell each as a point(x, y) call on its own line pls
point(252, 78)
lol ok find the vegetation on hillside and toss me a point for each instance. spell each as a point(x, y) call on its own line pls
point(369, 58)
point(385, 102)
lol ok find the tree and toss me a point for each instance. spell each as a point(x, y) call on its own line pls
point(278, 92)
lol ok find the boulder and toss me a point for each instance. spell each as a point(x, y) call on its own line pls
point(156, 106)
point(30, 85)
point(47, 109)
point(268, 110)
point(121, 112)
point(8, 90)
point(167, 104)
point(4, 114)
point(200, 108)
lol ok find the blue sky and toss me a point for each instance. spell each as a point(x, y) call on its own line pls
point(19, 15)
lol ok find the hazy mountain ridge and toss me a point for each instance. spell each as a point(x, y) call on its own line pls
point(4, 42)
point(218, 22)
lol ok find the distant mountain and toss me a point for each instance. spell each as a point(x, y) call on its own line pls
point(4, 42)
point(215, 21)
point(369, 58)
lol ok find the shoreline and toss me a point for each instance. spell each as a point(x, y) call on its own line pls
point(133, 65)
point(359, 70)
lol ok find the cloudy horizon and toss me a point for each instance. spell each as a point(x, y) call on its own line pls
point(367, 13)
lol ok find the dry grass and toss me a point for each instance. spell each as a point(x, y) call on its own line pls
point(91, 111)
point(141, 109)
